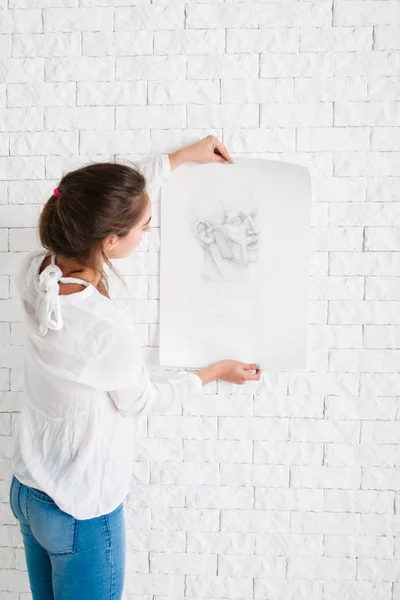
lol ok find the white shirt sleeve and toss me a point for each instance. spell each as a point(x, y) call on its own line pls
point(118, 367)
point(156, 172)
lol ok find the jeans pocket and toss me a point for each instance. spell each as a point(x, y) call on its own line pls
point(13, 496)
point(54, 529)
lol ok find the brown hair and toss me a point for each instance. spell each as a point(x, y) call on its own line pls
point(94, 201)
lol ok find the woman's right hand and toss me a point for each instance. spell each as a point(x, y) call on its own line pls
point(233, 371)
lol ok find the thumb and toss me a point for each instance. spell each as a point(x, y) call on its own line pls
point(251, 366)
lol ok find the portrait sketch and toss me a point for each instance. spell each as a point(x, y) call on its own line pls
point(223, 221)
point(234, 264)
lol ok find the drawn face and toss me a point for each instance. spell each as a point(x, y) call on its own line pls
point(238, 237)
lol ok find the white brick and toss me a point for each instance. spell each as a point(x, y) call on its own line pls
point(324, 430)
point(383, 88)
point(47, 44)
point(80, 69)
point(368, 360)
point(216, 586)
point(381, 336)
point(252, 566)
point(382, 238)
point(279, 589)
point(82, 19)
point(367, 312)
point(382, 189)
point(366, 12)
point(339, 189)
point(296, 14)
point(255, 90)
point(255, 521)
point(267, 39)
point(207, 115)
point(360, 455)
point(381, 479)
point(287, 544)
point(287, 453)
point(338, 39)
point(288, 499)
point(324, 523)
point(115, 141)
point(363, 501)
point(322, 568)
point(336, 138)
point(277, 139)
point(304, 64)
point(115, 43)
point(380, 384)
point(111, 94)
point(335, 336)
point(358, 546)
point(365, 263)
point(367, 113)
point(367, 213)
point(149, 17)
point(204, 16)
point(385, 138)
point(189, 42)
point(375, 63)
point(336, 288)
point(41, 94)
point(329, 89)
point(84, 117)
point(362, 407)
point(176, 92)
point(387, 37)
point(356, 590)
point(150, 68)
point(274, 114)
point(326, 477)
point(223, 66)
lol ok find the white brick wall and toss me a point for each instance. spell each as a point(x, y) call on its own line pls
point(290, 490)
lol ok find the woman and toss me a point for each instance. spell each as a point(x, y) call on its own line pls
point(85, 378)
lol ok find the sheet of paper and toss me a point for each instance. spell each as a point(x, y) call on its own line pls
point(235, 242)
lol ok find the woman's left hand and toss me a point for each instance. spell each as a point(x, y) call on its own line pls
point(207, 150)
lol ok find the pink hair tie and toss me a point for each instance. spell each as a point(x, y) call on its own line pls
point(56, 192)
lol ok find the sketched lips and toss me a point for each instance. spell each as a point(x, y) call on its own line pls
point(253, 244)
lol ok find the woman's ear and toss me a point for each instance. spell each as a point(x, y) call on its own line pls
point(109, 242)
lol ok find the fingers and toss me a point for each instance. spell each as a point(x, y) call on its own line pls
point(255, 375)
point(220, 148)
point(250, 366)
point(217, 158)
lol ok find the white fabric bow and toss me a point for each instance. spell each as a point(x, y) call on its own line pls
point(49, 303)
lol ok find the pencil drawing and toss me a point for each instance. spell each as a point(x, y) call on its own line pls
point(226, 229)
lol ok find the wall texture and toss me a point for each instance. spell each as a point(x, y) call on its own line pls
point(289, 490)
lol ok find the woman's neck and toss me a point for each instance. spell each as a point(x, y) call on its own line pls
point(70, 267)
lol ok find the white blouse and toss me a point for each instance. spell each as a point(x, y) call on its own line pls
point(84, 381)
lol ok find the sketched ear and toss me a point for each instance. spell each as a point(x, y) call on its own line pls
point(203, 231)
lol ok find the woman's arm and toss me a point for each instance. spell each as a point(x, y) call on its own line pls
point(207, 150)
point(118, 368)
point(159, 170)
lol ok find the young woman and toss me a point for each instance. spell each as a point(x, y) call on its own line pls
point(85, 378)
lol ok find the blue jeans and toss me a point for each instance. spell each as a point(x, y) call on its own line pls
point(68, 558)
